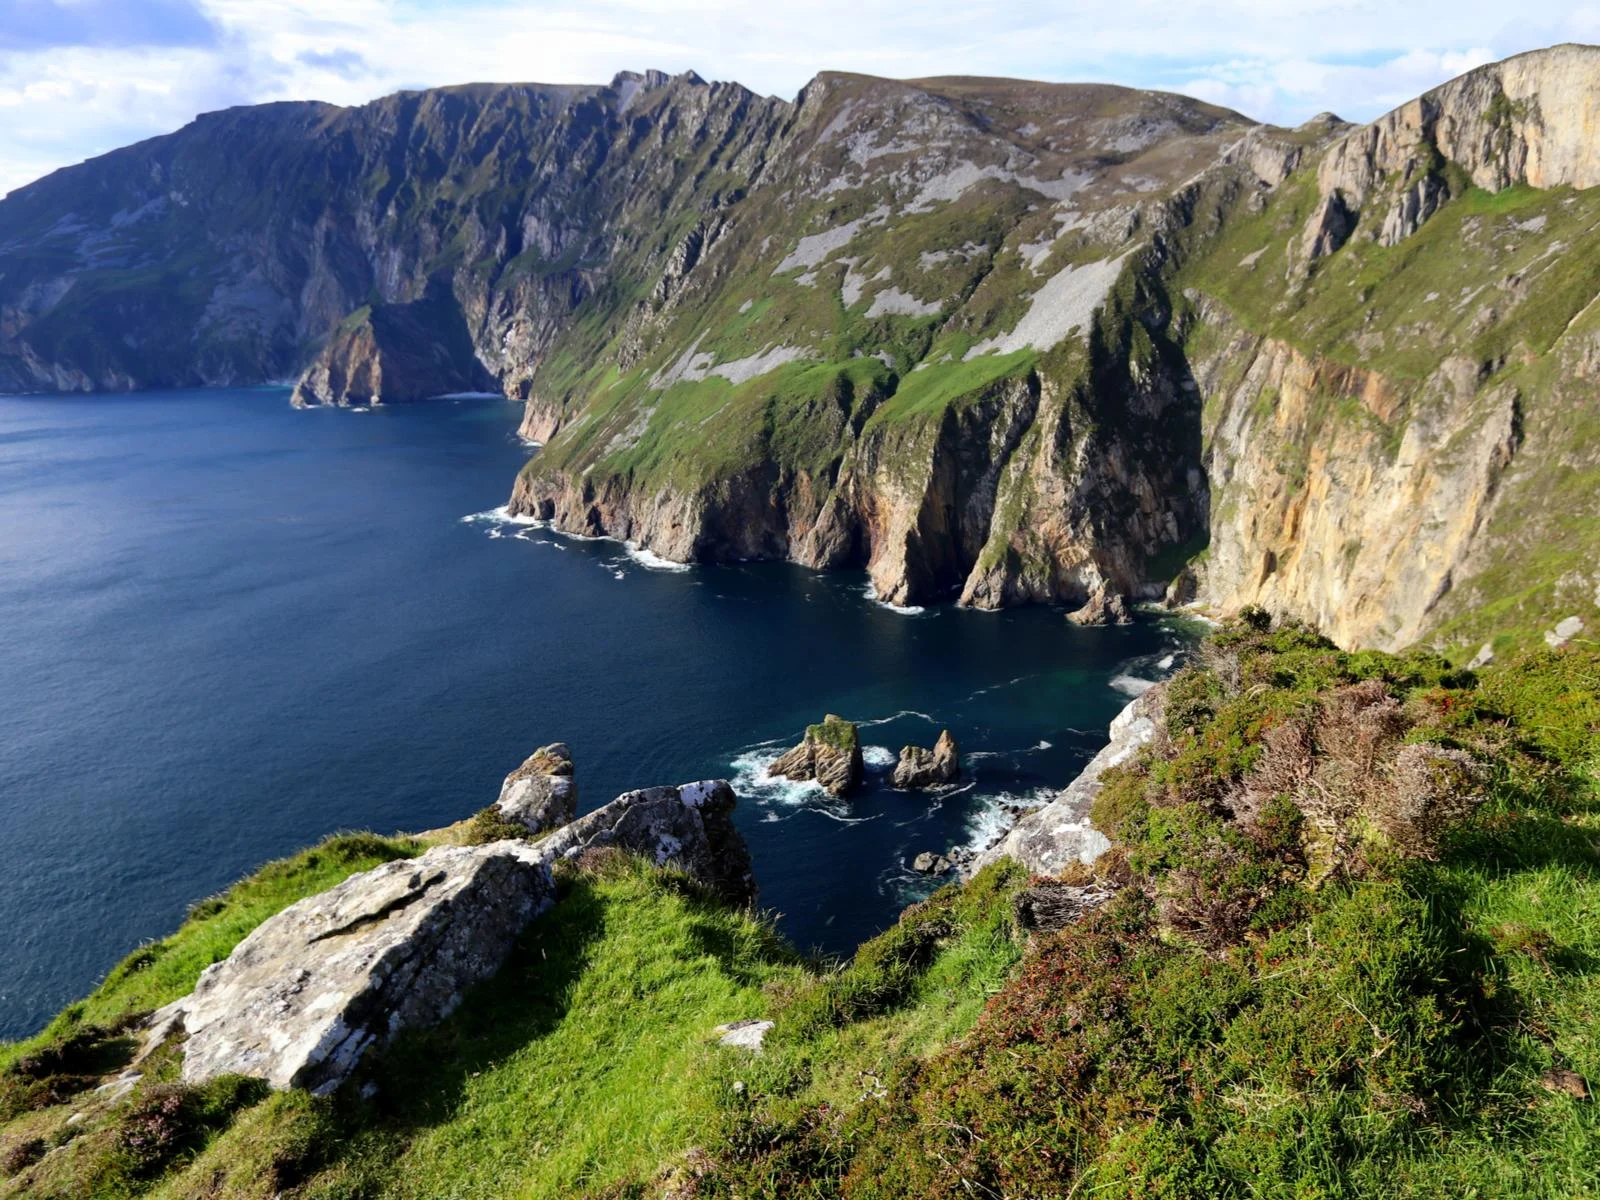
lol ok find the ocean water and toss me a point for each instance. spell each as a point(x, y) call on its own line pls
point(228, 628)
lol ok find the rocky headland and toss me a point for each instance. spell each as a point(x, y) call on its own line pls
point(994, 341)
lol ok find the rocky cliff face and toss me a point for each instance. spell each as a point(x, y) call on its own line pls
point(1395, 442)
point(990, 340)
point(394, 353)
point(230, 251)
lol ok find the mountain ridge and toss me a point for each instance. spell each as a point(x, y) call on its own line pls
point(993, 340)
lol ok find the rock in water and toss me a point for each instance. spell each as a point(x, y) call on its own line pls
point(542, 793)
point(301, 999)
point(929, 863)
point(690, 827)
point(1052, 838)
point(919, 768)
point(1105, 606)
point(830, 754)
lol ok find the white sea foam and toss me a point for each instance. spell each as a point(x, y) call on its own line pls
point(502, 516)
point(904, 712)
point(1166, 663)
point(990, 822)
point(652, 561)
point(1132, 685)
point(1043, 745)
point(905, 610)
point(879, 756)
point(751, 781)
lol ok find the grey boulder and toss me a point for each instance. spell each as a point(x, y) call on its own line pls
point(310, 990)
point(542, 793)
point(689, 827)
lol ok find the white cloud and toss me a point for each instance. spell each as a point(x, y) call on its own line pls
point(1280, 60)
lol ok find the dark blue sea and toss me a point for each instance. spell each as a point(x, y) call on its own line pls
point(228, 628)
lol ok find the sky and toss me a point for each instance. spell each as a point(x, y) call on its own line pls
point(80, 77)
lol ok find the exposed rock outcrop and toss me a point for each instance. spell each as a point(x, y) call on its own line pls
point(1336, 522)
point(931, 863)
point(921, 768)
point(1050, 839)
point(830, 754)
point(1529, 119)
point(1105, 607)
point(309, 991)
point(312, 989)
point(689, 827)
point(541, 794)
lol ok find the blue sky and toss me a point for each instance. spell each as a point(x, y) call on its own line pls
point(79, 77)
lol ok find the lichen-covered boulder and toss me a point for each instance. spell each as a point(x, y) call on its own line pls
point(541, 794)
point(305, 995)
point(830, 754)
point(921, 768)
point(312, 989)
point(690, 827)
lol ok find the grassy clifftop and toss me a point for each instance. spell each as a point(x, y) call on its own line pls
point(1351, 950)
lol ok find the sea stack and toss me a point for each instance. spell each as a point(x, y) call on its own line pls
point(829, 754)
point(920, 768)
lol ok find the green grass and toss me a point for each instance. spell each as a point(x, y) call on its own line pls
point(1272, 1005)
point(1250, 1016)
point(163, 970)
point(589, 1058)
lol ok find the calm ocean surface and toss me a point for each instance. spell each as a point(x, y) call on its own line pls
point(228, 628)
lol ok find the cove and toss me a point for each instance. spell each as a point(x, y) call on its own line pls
point(229, 628)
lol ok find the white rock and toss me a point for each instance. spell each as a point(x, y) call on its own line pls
point(744, 1035)
point(1052, 838)
point(1564, 632)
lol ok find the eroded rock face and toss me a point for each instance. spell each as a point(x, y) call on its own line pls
point(1366, 541)
point(306, 994)
point(830, 754)
point(1529, 119)
point(1050, 839)
point(1105, 606)
point(542, 793)
point(920, 768)
point(690, 827)
point(396, 353)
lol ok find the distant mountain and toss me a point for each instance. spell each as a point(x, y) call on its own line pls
point(999, 340)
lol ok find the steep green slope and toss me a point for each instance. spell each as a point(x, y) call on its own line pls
point(1350, 950)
